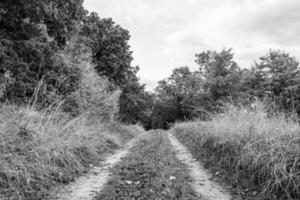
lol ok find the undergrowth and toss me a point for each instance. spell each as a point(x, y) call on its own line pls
point(258, 153)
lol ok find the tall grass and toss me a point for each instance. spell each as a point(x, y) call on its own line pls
point(257, 151)
point(38, 149)
point(42, 147)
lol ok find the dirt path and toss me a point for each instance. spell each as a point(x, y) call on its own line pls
point(171, 177)
point(202, 178)
point(86, 187)
point(150, 172)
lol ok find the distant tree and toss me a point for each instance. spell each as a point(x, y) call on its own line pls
point(220, 73)
point(178, 96)
point(163, 113)
point(276, 75)
point(132, 100)
point(187, 94)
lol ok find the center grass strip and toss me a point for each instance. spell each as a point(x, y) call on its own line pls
point(150, 171)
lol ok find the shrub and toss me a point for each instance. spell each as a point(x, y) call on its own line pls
point(95, 97)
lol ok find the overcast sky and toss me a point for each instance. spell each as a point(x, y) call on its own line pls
point(168, 33)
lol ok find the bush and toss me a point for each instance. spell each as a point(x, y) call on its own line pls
point(95, 97)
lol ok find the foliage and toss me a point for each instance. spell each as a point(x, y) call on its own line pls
point(112, 58)
point(31, 35)
point(220, 73)
point(187, 95)
point(276, 76)
point(110, 50)
point(94, 98)
point(52, 42)
point(219, 80)
point(48, 19)
point(176, 97)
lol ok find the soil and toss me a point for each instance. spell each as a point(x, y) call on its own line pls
point(175, 174)
point(202, 182)
point(87, 186)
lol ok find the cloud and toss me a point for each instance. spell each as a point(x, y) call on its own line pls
point(185, 38)
point(277, 21)
point(168, 33)
point(150, 84)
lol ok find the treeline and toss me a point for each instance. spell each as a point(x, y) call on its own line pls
point(44, 48)
point(55, 51)
point(187, 94)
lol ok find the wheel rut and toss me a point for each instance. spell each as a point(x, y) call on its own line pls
point(87, 186)
point(202, 183)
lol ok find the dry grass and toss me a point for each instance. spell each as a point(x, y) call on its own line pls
point(95, 97)
point(38, 150)
point(255, 151)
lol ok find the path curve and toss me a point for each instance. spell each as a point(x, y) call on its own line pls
point(202, 183)
point(87, 186)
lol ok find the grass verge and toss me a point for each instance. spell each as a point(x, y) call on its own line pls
point(151, 171)
point(41, 150)
point(258, 155)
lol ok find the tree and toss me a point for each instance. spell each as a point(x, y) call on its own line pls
point(178, 97)
point(110, 48)
point(32, 32)
point(132, 100)
point(51, 19)
point(220, 73)
point(112, 58)
point(277, 75)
